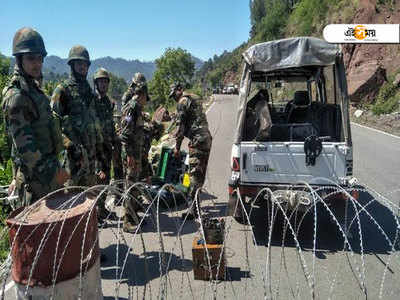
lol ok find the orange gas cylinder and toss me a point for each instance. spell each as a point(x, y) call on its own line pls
point(49, 235)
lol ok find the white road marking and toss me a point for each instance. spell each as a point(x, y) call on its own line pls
point(212, 104)
point(376, 130)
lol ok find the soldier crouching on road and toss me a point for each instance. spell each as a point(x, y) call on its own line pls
point(73, 104)
point(192, 123)
point(36, 139)
point(132, 138)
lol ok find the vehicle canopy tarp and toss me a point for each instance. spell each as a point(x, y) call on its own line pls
point(286, 54)
point(291, 53)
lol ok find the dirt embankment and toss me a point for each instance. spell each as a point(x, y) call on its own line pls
point(369, 66)
point(389, 123)
point(231, 77)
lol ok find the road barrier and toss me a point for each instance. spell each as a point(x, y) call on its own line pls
point(54, 244)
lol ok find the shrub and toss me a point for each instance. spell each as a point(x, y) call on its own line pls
point(387, 100)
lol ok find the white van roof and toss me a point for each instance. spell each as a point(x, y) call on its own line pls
point(291, 53)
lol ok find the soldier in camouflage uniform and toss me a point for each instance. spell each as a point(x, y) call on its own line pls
point(192, 123)
point(116, 153)
point(36, 139)
point(73, 104)
point(104, 110)
point(132, 138)
point(117, 160)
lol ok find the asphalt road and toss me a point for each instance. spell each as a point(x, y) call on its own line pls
point(285, 269)
point(377, 160)
point(255, 270)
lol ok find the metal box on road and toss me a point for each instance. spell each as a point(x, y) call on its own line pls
point(201, 264)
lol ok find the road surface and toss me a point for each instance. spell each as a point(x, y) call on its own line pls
point(255, 271)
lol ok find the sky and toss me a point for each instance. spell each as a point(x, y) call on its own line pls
point(129, 29)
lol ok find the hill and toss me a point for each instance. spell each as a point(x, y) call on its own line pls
point(370, 68)
point(54, 65)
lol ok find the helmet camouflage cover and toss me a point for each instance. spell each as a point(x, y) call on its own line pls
point(28, 40)
point(139, 82)
point(78, 52)
point(101, 73)
point(173, 88)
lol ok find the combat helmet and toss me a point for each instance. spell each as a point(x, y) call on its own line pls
point(101, 73)
point(139, 82)
point(173, 88)
point(28, 40)
point(78, 52)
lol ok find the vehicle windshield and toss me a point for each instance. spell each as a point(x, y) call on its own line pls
point(290, 106)
point(281, 91)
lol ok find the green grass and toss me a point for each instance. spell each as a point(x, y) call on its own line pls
point(309, 17)
point(4, 241)
point(388, 97)
point(5, 178)
point(387, 100)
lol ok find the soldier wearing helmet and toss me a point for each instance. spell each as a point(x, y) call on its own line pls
point(73, 103)
point(132, 138)
point(192, 123)
point(36, 139)
point(104, 110)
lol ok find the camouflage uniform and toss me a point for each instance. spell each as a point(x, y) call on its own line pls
point(192, 123)
point(132, 138)
point(132, 144)
point(35, 138)
point(104, 111)
point(116, 159)
point(73, 103)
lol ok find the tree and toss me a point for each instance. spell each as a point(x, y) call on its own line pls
point(4, 145)
point(117, 87)
point(48, 87)
point(4, 65)
point(257, 11)
point(173, 66)
point(273, 25)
